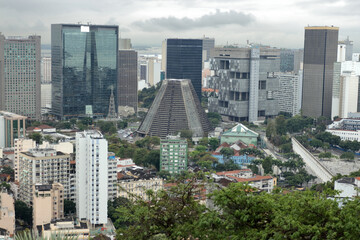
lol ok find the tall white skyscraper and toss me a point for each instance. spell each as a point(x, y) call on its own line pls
point(91, 177)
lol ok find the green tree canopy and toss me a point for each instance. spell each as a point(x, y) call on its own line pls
point(349, 156)
point(69, 207)
point(214, 143)
point(37, 137)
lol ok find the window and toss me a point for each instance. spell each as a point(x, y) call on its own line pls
point(262, 85)
point(224, 64)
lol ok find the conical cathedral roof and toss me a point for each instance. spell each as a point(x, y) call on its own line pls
point(176, 107)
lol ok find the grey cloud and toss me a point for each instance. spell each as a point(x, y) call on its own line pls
point(216, 19)
point(20, 27)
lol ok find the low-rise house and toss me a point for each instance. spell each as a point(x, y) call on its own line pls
point(137, 182)
point(242, 133)
point(238, 158)
point(42, 129)
point(348, 187)
point(263, 183)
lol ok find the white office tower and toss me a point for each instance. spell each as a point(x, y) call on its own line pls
point(91, 177)
point(345, 96)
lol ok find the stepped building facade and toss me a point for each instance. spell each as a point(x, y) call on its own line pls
point(176, 107)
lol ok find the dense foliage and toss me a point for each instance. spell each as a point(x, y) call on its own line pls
point(147, 96)
point(237, 212)
point(142, 152)
point(23, 212)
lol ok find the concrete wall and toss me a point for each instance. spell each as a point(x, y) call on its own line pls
point(320, 171)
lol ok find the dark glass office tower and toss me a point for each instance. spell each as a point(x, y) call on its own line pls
point(184, 61)
point(84, 69)
point(320, 53)
point(128, 82)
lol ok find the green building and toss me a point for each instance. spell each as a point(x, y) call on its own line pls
point(242, 133)
point(12, 126)
point(173, 155)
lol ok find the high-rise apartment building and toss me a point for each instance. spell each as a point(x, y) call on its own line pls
point(320, 53)
point(112, 176)
point(173, 154)
point(48, 203)
point(246, 83)
point(42, 166)
point(289, 94)
point(20, 75)
point(91, 177)
point(182, 59)
point(46, 70)
point(127, 91)
point(84, 69)
point(21, 145)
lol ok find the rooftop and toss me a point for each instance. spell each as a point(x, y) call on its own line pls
point(11, 115)
point(240, 130)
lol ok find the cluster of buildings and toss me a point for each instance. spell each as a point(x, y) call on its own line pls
point(93, 73)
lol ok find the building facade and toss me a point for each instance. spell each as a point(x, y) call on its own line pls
point(112, 176)
point(84, 69)
point(42, 166)
point(173, 155)
point(7, 214)
point(138, 187)
point(21, 145)
point(176, 107)
point(127, 91)
point(208, 44)
point(46, 70)
point(12, 126)
point(320, 53)
point(91, 177)
point(289, 94)
point(48, 203)
point(20, 75)
point(183, 60)
point(346, 91)
point(246, 83)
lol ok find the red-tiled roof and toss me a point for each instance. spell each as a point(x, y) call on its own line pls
point(39, 127)
point(129, 165)
point(357, 178)
point(120, 175)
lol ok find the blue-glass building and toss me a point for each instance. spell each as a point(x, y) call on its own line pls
point(84, 69)
point(184, 61)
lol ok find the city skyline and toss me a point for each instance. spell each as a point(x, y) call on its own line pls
point(275, 23)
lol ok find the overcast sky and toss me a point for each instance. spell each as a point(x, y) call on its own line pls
point(279, 23)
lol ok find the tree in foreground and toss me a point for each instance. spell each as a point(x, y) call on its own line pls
point(239, 212)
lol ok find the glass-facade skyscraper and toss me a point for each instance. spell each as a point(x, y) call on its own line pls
point(84, 69)
point(184, 60)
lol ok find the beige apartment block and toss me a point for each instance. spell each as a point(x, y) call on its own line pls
point(48, 203)
point(65, 228)
point(21, 145)
point(138, 187)
point(42, 166)
point(7, 213)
